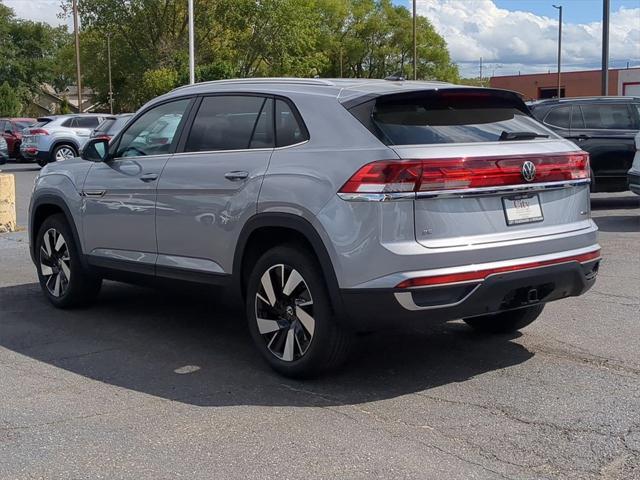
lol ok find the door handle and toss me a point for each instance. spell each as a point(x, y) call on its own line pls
point(149, 177)
point(236, 175)
point(94, 193)
point(583, 137)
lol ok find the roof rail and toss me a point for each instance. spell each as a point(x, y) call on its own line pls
point(266, 80)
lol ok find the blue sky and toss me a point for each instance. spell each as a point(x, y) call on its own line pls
point(511, 36)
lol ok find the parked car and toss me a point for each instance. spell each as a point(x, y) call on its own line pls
point(11, 129)
point(4, 151)
point(634, 172)
point(111, 125)
point(603, 126)
point(329, 207)
point(59, 137)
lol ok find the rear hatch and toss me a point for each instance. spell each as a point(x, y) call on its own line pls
point(479, 168)
point(31, 133)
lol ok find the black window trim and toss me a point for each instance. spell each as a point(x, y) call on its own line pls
point(184, 134)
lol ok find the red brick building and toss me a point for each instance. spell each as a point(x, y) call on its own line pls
point(573, 84)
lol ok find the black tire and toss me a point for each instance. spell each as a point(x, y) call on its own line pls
point(506, 322)
point(62, 147)
point(326, 345)
point(81, 286)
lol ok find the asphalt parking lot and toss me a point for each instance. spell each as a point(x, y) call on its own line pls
point(148, 384)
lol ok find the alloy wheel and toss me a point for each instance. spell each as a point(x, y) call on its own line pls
point(284, 312)
point(55, 262)
point(64, 153)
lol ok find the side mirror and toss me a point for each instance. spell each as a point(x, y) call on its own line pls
point(96, 150)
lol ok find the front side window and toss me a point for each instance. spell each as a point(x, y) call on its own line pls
point(228, 122)
point(559, 117)
point(154, 132)
point(607, 117)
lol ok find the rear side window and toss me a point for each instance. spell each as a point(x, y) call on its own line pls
point(289, 127)
point(559, 117)
point(576, 117)
point(225, 123)
point(87, 122)
point(602, 117)
point(449, 116)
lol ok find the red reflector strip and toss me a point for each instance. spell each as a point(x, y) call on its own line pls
point(437, 174)
point(480, 275)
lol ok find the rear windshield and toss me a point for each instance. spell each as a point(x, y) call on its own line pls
point(105, 125)
point(449, 116)
point(119, 123)
point(41, 122)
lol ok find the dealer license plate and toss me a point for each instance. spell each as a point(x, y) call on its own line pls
point(522, 209)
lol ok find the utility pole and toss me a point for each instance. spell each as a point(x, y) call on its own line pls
point(415, 44)
point(559, 8)
point(340, 61)
point(77, 37)
point(110, 84)
point(605, 47)
point(192, 68)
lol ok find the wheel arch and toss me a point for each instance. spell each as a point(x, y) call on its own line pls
point(64, 141)
point(270, 229)
point(43, 207)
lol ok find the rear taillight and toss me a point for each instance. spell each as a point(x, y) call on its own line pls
point(428, 175)
point(38, 131)
point(480, 275)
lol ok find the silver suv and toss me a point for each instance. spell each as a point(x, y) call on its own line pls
point(58, 137)
point(329, 207)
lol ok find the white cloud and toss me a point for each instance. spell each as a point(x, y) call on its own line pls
point(523, 41)
point(38, 10)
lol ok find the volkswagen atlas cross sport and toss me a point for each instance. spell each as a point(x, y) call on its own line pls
point(330, 207)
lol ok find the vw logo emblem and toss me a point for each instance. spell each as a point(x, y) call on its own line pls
point(528, 171)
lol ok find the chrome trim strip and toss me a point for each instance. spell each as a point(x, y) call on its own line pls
point(405, 299)
point(241, 150)
point(376, 197)
point(529, 187)
point(461, 193)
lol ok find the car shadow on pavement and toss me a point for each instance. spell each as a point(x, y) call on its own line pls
point(618, 223)
point(191, 349)
point(629, 200)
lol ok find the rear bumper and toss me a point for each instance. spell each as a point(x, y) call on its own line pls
point(634, 181)
point(375, 309)
point(33, 154)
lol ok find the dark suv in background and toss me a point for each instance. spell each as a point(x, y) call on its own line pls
point(603, 126)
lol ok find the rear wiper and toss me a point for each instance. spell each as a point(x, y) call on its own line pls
point(506, 136)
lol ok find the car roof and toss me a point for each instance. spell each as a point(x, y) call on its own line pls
point(343, 89)
point(601, 99)
point(17, 119)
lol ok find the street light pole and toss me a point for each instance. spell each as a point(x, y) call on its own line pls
point(415, 44)
point(77, 38)
point(559, 7)
point(605, 47)
point(192, 70)
point(109, 69)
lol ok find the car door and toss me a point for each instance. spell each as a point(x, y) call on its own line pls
point(119, 194)
point(210, 187)
point(607, 132)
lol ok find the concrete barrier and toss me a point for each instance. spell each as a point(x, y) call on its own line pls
point(7, 203)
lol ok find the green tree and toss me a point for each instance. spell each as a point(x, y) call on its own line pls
point(65, 107)
point(10, 105)
point(156, 82)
